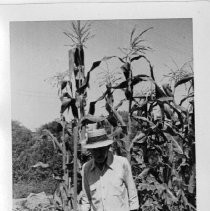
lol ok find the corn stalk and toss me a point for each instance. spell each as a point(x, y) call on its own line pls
point(76, 101)
point(134, 52)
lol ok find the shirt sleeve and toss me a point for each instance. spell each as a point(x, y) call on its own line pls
point(131, 187)
point(85, 206)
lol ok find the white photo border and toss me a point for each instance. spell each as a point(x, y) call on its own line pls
point(199, 12)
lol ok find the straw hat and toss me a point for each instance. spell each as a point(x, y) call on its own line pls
point(97, 138)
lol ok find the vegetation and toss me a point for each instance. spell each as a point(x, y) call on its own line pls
point(155, 133)
point(29, 149)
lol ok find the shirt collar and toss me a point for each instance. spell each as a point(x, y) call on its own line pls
point(108, 163)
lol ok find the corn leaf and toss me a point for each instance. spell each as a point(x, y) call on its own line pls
point(132, 33)
point(112, 120)
point(63, 84)
point(192, 183)
point(67, 95)
point(165, 99)
point(86, 81)
point(116, 132)
point(121, 60)
point(183, 80)
point(144, 173)
point(139, 137)
point(90, 119)
point(65, 105)
point(159, 93)
point(74, 109)
point(151, 71)
point(137, 58)
point(187, 97)
point(167, 90)
point(176, 147)
point(179, 114)
point(135, 80)
point(119, 104)
point(144, 119)
point(92, 108)
point(126, 70)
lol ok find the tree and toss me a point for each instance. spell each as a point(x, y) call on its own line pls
point(28, 150)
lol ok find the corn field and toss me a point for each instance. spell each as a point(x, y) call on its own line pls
point(154, 131)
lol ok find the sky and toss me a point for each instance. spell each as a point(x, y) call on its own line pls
point(39, 50)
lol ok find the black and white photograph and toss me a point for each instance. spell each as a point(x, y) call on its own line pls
point(104, 106)
point(103, 115)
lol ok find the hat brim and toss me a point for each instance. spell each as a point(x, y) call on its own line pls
point(98, 144)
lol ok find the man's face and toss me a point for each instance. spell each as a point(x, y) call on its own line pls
point(100, 154)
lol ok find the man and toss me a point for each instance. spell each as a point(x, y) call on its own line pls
point(107, 179)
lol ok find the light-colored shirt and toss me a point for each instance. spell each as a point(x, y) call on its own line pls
point(112, 189)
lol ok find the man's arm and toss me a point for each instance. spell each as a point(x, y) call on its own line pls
point(131, 187)
point(85, 201)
